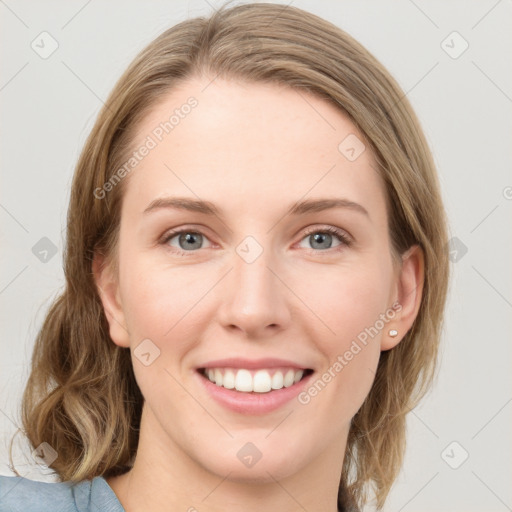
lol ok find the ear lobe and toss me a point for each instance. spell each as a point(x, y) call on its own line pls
point(108, 290)
point(410, 290)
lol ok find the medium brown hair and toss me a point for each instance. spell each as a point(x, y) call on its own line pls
point(81, 396)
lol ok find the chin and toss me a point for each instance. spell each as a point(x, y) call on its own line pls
point(260, 473)
point(249, 464)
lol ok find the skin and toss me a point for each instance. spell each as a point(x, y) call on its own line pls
point(253, 150)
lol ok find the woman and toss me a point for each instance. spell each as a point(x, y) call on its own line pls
point(256, 278)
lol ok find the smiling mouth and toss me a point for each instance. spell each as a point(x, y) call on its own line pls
point(254, 381)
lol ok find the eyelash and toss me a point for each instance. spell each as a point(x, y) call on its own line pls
point(342, 237)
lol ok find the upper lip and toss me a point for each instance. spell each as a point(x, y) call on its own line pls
point(251, 364)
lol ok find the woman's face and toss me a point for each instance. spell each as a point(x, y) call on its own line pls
point(270, 284)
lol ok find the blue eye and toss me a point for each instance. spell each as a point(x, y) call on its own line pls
point(321, 240)
point(188, 240)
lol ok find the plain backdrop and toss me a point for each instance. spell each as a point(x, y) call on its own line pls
point(452, 59)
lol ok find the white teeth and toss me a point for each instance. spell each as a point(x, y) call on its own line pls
point(277, 380)
point(261, 382)
point(243, 380)
point(229, 380)
point(289, 378)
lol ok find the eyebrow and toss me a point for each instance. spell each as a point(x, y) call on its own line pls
point(208, 208)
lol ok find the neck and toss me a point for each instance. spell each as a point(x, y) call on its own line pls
point(165, 478)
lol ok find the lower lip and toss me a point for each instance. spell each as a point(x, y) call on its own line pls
point(252, 403)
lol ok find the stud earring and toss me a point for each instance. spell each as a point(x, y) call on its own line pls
point(393, 333)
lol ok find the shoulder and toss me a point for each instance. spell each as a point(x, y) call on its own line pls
point(18, 493)
point(21, 494)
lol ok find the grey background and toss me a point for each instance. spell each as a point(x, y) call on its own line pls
point(48, 106)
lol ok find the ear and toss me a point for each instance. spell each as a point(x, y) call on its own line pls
point(108, 290)
point(408, 293)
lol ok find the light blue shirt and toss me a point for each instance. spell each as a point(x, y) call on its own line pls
point(18, 494)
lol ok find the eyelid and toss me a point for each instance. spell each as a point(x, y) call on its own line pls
point(171, 233)
point(344, 238)
point(329, 229)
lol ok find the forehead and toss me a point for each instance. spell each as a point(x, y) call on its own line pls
point(250, 144)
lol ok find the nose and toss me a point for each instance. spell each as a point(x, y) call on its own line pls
point(254, 298)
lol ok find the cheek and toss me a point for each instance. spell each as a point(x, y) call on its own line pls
point(347, 300)
point(156, 296)
point(333, 305)
point(160, 305)
point(353, 309)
